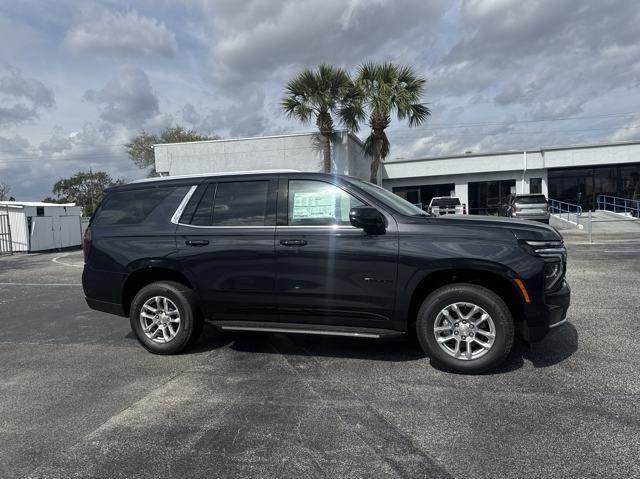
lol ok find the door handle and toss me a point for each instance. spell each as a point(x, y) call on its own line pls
point(196, 242)
point(293, 242)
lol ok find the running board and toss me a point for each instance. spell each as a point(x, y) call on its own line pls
point(296, 328)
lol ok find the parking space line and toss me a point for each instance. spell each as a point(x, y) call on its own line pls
point(622, 251)
point(57, 258)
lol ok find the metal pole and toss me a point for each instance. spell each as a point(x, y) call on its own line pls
point(9, 230)
point(590, 229)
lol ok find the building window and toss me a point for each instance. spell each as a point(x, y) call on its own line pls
point(535, 185)
point(487, 197)
point(39, 210)
point(582, 186)
point(421, 195)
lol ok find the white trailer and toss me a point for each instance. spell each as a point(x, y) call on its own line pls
point(39, 226)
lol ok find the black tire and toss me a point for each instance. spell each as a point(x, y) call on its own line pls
point(477, 295)
point(191, 320)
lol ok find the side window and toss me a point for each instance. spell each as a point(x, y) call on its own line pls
point(204, 210)
point(316, 203)
point(241, 203)
point(130, 207)
point(237, 203)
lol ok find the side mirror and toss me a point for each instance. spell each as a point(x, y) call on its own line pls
point(368, 218)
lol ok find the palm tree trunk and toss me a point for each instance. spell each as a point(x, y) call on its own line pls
point(325, 140)
point(377, 158)
point(324, 122)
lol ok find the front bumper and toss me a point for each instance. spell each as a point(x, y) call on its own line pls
point(556, 306)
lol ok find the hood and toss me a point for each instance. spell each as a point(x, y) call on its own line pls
point(521, 229)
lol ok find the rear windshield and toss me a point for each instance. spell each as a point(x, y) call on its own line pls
point(445, 202)
point(531, 200)
point(132, 206)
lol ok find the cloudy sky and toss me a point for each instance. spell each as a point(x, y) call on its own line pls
point(78, 79)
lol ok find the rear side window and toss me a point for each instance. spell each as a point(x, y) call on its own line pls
point(531, 200)
point(237, 203)
point(130, 207)
point(446, 202)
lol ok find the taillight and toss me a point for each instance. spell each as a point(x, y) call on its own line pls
point(86, 244)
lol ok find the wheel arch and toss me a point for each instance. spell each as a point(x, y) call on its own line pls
point(489, 278)
point(141, 277)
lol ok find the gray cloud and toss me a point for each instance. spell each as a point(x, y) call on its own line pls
point(122, 34)
point(126, 99)
point(239, 119)
point(23, 96)
point(262, 39)
point(16, 145)
point(16, 85)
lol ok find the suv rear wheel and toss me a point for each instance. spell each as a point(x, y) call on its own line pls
point(165, 317)
point(465, 328)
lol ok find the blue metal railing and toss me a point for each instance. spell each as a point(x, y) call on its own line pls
point(565, 210)
point(618, 205)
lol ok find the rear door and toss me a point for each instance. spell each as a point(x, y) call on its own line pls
point(330, 272)
point(225, 240)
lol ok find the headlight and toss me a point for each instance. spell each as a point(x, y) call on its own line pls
point(553, 271)
point(555, 257)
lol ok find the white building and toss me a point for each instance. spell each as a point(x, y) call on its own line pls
point(574, 174)
point(298, 151)
point(38, 226)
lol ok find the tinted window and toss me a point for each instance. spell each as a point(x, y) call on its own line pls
point(317, 203)
point(445, 202)
point(203, 213)
point(241, 203)
point(130, 207)
point(531, 200)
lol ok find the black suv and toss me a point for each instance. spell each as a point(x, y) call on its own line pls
point(315, 253)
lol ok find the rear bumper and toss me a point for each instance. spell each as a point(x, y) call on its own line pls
point(103, 290)
point(556, 306)
point(105, 306)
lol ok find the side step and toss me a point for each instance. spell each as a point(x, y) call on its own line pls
point(301, 328)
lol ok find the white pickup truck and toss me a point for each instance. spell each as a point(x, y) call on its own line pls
point(447, 205)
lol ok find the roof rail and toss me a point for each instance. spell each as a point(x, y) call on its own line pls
point(206, 175)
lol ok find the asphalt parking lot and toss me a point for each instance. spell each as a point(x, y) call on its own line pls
point(80, 398)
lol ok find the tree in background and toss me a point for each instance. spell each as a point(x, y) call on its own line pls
point(320, 94)
point(4, 191)
point(84, 189)
point(388, 89)
point(140, 149)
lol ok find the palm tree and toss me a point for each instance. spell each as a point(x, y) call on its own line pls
point(386, 89)
point(318, 94)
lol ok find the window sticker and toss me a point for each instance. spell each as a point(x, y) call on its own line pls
point(314, 204)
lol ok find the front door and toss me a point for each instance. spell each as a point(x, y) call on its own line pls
point(225, 241)
point(330, 272)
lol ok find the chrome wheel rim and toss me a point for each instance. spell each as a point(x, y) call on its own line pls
point(160, 319)
point(464, 331)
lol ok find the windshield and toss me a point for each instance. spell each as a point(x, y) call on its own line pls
point(390, 199)
point(531, 200)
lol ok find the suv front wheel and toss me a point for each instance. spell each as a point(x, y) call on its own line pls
point(165, 317)
point(465, 328)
